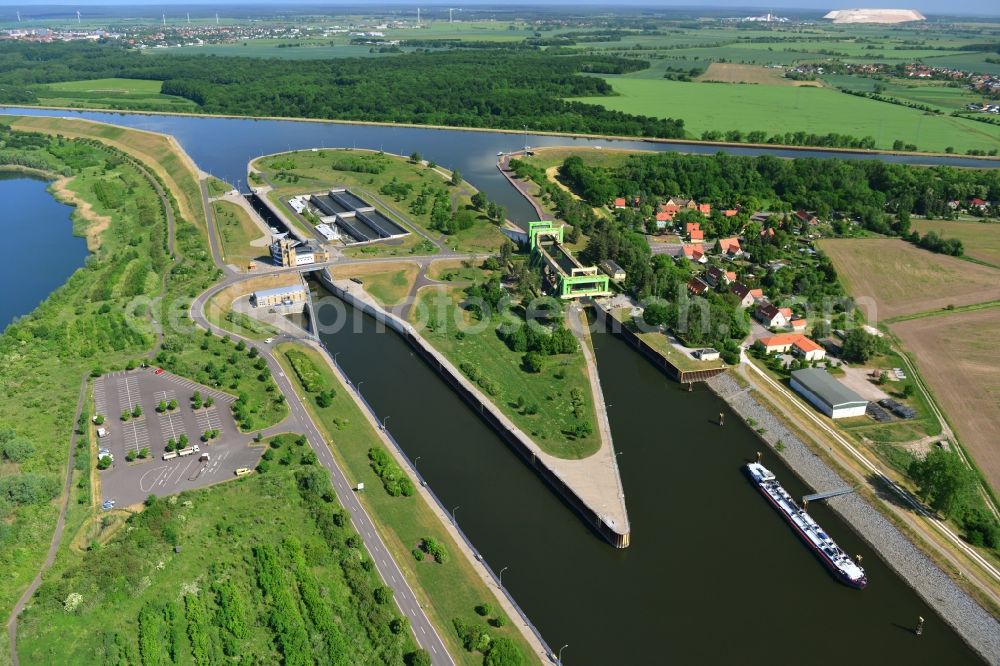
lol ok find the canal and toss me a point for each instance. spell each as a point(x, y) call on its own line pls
point(41, 250)
point(713, 574)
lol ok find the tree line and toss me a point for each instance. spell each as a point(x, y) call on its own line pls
point(439, 88)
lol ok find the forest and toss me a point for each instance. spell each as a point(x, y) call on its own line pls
point(440, 88)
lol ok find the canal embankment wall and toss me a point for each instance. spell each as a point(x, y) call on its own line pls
point(616, 327)
point(526, 449)
point(967, 617)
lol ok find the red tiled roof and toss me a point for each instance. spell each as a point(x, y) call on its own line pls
point(730, 212)
point(664, 216)
point(697, 234)
point(757, 293)
point(620, 201)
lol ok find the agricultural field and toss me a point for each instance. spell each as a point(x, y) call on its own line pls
point(278, 48)
point(111, 93)
point(956, 356)
point(898, 278)
point(932, 93)
point(389, 283)
point(539, 403)
point(201, 578)
point(448, 590)
point(725, 72)
point(981, 240)
point(391, 183)
point(723, 107)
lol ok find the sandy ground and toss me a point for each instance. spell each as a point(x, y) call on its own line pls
point(956, 356)
point(890, 277)
point(96, 223)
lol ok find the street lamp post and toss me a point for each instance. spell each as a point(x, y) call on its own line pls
point(335, 359)
point(501, 575)
point(559, 659)
point(415, 464)
point(453, 520)
point(383, 423)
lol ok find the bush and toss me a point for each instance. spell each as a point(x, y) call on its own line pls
point(394, 480)
point(305, 370)
point(532, 362)
point(130, 456)
point(436, 550)
point(484, 610)
point(418, 554)
point(17, 449)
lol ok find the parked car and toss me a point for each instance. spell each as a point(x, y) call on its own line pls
point(107, 505)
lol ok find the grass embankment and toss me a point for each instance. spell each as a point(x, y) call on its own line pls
point(391, 183)
point(216, 186)
point(111, 94)
point(539, 403)
point(723, 107)
point(388, 283)
point(236, 232)
point(158, 152)
point(452, 589)
point(267, 565)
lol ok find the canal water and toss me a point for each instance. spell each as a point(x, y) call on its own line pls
point(713, 574)
point(41, 251)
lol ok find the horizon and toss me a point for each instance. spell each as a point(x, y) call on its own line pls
point(927, 7)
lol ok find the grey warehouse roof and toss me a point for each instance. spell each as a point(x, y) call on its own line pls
point(825, 387)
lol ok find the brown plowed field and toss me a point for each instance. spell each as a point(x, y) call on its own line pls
point(957, 357)
point(900, 279)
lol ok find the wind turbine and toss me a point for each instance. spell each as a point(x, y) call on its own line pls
point(216, 18)
point(189, 18)
point(418, 15)
point(19, 17)
point(164, 20)
point(78, 17)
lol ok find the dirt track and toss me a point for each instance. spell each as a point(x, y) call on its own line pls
point(956, 355)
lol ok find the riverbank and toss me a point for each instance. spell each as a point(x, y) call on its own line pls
point(600, 137)
point(978, 627)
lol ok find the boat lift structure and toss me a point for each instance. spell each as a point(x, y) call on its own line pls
point(570, 278)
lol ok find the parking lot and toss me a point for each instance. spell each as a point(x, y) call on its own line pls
point(131, 483)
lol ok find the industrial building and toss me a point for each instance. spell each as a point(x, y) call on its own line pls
point(566, 276)
point(827, 394)
point(287, 295)
point(291, 252)
point(354, 217)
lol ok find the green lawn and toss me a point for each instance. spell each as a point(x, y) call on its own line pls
point(715, 106)
point(262, 567)
point(111, 93)
point(517, 393)
point(452, 589)
point(236, 231)
point(313, 171)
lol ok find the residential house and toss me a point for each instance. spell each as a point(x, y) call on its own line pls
point(694, 253)
point(662, 218)
point(796, 343)
point(696, 236)
point(697, 287)
point(798, 325)
point(682, 204)
point(620, 202)
point(769, 315)
point(729, 247)
point(747, 295)
point(616, 272)
point(806, 218)
point(787, 314)
point(705, 209)
point(731, 212)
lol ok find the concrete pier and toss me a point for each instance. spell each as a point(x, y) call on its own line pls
point(591, 486)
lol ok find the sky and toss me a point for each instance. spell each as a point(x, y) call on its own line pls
point(951, 7)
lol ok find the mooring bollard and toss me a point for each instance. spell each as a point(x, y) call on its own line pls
point(758, 457)
point(722, 419)
point(920, 626)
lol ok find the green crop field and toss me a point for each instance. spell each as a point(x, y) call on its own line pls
point(110, 93)
point(716, 106)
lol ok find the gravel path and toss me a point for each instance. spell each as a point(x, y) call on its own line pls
point(980, 629)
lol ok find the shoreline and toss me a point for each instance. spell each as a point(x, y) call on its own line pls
point(973, 623)
point(12, 110)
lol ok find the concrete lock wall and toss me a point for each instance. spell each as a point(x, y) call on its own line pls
point(486, 411)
